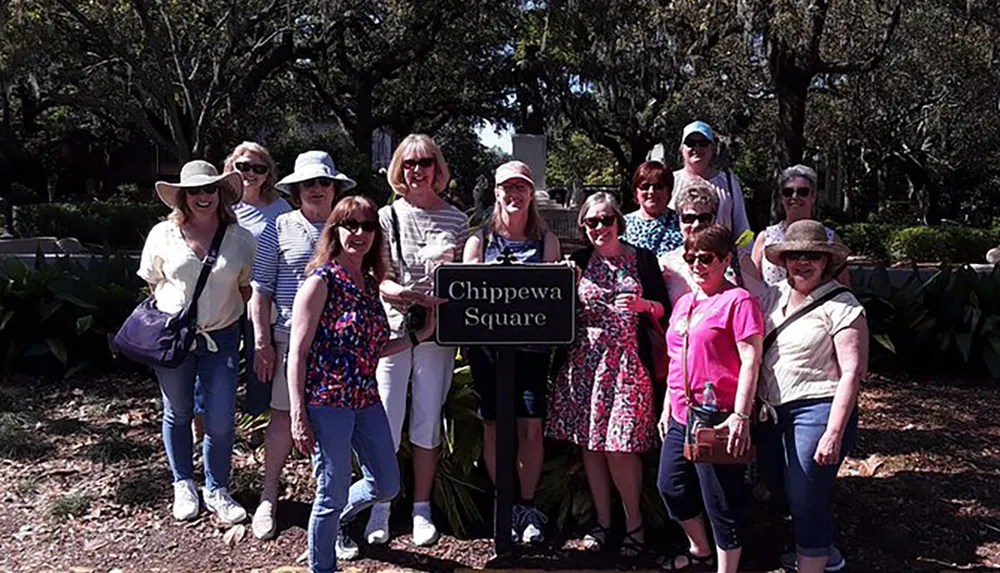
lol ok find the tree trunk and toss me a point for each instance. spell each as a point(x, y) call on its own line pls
point(6, 171)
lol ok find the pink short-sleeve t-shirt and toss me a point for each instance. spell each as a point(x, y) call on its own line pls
point(717, 324)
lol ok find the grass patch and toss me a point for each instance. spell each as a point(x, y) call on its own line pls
point(17, 443)
point(67, 427)
point(144, 487)
point(247, 483)
point(26, 487)
point(113, 449)
point(9, 400)
point(74, 504)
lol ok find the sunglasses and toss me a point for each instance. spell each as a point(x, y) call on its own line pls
point(244, 166)
point(787, 192)
point(207, 190)
point(698, 143)
point(320, 181)
point(353, 225)
point(810, 256)
point(652, 187)
point(704, 258)
point(422, 162)
point(595, 222)
point(703, 218)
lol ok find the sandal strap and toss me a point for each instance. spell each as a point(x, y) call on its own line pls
point(693, 560)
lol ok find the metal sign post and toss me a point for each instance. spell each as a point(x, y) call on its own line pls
point(504, 306)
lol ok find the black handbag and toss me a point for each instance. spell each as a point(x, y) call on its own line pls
point(155, 338)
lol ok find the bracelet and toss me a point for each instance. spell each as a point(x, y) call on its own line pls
point(413, 338)
point(742, 415)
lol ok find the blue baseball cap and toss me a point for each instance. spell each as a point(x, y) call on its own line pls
point(699, 127)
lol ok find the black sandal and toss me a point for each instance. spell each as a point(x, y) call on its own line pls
point(692, 561)
point(595, 539)
point(632, 547)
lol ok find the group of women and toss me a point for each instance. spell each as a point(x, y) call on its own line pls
point(340, 310)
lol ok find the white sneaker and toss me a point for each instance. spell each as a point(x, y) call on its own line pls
point(186, 504)
point(263, 525)
point(219, 503)
point(377, 530)
point(347, 549)
point(424, 532)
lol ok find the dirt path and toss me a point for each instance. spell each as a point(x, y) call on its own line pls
point(86, 488)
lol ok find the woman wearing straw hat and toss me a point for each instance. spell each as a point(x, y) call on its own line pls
point(172, 260)
point(284, 249)
point(810, 378)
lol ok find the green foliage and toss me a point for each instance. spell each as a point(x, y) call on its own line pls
point(73, 504)
point(947, 244)
point(17, 441)
point(576, 160)
point(26, 487)
point(60, 316)
point(948, 323)
point(109, 225)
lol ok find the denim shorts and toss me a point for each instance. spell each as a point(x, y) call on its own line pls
point(530, 382)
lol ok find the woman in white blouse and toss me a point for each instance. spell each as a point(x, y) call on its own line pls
point(171, 262)
point(810, 378)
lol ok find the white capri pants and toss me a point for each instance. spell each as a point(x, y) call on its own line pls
point(431, 367)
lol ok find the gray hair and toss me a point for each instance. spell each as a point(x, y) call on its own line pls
point(602, 197)
point(803, 171)
point(697, 193)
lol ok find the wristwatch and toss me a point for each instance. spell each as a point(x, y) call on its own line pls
point(413, 338)
point(742, 415)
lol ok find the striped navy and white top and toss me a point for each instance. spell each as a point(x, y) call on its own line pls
point(428, 236)
point(284, 249)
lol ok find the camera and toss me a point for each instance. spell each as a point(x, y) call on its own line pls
point(416, 318)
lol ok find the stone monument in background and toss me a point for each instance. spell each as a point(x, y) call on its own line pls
point(529, 143)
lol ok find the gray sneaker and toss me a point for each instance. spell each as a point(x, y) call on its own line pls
point(528, 524)
point(835, 562)
point(347, 549)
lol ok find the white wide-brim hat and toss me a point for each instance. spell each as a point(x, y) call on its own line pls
point(310, 165)
point(200, 173)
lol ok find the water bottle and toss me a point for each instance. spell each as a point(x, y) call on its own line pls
point(708, 398)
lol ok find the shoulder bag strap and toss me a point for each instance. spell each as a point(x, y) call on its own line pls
point(684, 357)
point(396, 238)
point(206, 269)
point(773, 335)
point(732, 200)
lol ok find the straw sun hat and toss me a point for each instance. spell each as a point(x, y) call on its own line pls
point(808, 236)
point(200, 173)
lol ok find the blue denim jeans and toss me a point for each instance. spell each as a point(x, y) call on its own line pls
point(218, 373)
point(785, 456)
point(258, 393)
point(686, 487)
point(337, 431)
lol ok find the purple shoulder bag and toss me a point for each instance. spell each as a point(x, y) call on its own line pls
point(155, 338)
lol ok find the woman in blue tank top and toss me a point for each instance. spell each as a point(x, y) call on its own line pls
point(515, 224)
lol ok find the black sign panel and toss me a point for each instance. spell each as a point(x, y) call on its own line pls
point(494, 304)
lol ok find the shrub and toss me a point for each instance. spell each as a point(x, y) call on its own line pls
point(868, 239)
point(109, 225)
point(953, 245)
point(72, 504)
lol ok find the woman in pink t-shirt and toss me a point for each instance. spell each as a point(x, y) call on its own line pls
point(724, 327)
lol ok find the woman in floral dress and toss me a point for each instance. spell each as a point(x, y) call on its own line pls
point(602, 399)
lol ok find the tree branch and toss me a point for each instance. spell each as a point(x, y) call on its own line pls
point(870, 63)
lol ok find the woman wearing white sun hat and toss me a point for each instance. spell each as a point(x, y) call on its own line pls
point(172, 259)
point(284, 249)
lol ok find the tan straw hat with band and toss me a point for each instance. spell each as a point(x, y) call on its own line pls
point(200, 173)
point(807, 236)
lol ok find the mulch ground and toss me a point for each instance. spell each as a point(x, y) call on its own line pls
point(85, 487)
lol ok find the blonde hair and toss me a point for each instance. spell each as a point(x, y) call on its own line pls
point(697, 193)
point(534, 228)
point(602, 198)
point(426, 146)
point(267, 189)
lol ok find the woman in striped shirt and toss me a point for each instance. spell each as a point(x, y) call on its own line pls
point(423, 230)
point(284, 248)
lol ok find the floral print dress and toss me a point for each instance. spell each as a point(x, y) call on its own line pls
point(602, 398)
point(352, 331)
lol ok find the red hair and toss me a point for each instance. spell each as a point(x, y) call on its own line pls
point(351, 207)
point(652, 172)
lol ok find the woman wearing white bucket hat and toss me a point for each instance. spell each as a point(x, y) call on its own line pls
point(284, 249)
point(172, 259)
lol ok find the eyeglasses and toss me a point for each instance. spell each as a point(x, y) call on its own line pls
point(652, 187)
point(207, 190)
point(595, 222)
point(698, 143)
point(244, 166)
point(422, 162)
point(353, 225)
point(810, 256)
point(787, 192)
point(704, 258)
point(703, 218)
point(321, 181)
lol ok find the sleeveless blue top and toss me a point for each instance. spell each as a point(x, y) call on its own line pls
point(527, 251)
